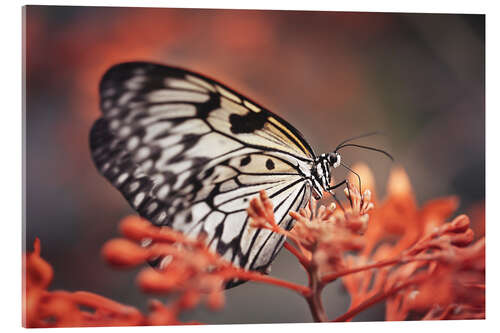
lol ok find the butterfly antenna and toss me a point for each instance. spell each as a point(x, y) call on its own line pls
point(358, 137)
point(366, 147)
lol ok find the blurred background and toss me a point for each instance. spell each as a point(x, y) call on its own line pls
point(419, 78)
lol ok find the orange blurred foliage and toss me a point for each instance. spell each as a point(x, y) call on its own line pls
point(42, 308)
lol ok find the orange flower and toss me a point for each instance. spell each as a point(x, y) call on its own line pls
point(326, 234)
point(320, 236)
point(184, 266)
point(398, 215)
point(422, 270)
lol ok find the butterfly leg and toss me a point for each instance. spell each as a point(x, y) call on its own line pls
point(349, 192)
point(354, 172)
point(337, 201)
point(331, 188)
point(337, 185)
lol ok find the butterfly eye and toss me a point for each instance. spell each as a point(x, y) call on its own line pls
point(332, 158)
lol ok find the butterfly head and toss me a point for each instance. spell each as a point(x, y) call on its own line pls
point(321, 174)
point(334, 159)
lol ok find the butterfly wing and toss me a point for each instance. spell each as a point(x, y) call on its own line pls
point(189, 153)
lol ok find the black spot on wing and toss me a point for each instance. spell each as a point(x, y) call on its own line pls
point(269, 164)
point(248, 123)
point(245, 161)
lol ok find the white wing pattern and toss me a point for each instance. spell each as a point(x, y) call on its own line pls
point(189, 153)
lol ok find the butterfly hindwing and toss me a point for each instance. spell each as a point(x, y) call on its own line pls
point(189, 153)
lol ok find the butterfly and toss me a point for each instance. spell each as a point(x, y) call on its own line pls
point(188, 152)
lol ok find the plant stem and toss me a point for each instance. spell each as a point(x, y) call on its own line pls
point(377, 298)
point(399, 260)
point(331, 277)
point(300, 257)
point(258, 277)
point(314, 298)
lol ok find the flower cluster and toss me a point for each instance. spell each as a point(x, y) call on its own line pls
point(320, 235)
point(319, 239)
point(187, 270)
point(184, 267)
point(423, 267)
point(383, 251)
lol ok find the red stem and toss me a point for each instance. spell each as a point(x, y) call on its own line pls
point(300, 257)
point(258, 277)
point(377, 298)
point(314, 298)
point(331, 277)
point(401, 260)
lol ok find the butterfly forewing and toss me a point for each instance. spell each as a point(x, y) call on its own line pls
point(189, 153)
